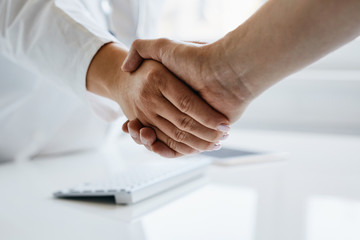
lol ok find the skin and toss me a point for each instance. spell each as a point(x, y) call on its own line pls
point(183, 122)
point(281, 38)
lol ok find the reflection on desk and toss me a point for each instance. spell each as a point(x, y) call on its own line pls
point(314, 194)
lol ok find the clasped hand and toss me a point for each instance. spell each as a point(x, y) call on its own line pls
point(202, 67)
point(180, 121)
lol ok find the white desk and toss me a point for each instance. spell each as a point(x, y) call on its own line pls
point(315, 194)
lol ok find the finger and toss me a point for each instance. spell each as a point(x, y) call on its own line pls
point(182, 97)
point(125, 127)
point(147, 136)
point(178, 149)
point(134, 127)
point(149, 140)
point(186, 123)
point(144, 49)
point(183, 137)
point(158, 146)
point(163, 150)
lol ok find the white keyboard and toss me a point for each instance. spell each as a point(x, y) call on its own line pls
point(140, 182)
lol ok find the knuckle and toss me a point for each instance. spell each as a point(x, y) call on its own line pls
point(161, 83)
point(156, 78)
point(185, 103)
point(180, 136)
point(162, 41)
point(162, 44)
point(186, 123)
point(171, 143)
point(135, 43)
point(153, 75)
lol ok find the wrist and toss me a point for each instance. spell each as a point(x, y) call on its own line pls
point(105, 71)
point(245, 61)
point(230, 65)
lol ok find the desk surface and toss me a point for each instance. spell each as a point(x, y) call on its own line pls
point(314, 194)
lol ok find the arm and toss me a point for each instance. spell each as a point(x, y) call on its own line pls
point(281, 38)
point(285, 36)
point(278, 40)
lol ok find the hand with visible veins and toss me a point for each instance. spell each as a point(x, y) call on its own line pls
point(281, 38)
point(230, 100)
point(196, 65)
point(183, 122)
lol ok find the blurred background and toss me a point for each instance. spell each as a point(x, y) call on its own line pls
point(324, 97)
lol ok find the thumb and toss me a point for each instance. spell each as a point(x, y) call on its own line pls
point(144, 49)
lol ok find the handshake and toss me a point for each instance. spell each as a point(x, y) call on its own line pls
point(180, 98)
point(187, 99)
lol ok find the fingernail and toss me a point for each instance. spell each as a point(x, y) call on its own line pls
point(217, 146)
point(223, 127)
point(225, 136)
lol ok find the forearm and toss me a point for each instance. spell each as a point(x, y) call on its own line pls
point(285, 36)
point(104, 74)
point(281, 38)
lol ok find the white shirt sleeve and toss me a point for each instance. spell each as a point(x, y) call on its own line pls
point(56, 39)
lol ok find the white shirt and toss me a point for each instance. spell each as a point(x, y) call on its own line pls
point(46, 47)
